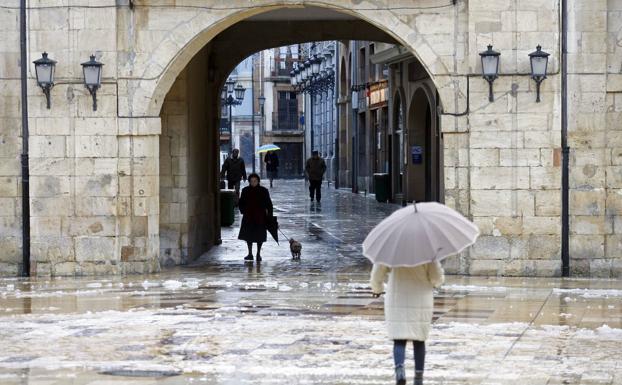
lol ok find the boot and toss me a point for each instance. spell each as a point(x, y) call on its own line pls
point(400, 375)
point(419, 377)
point(249, 258)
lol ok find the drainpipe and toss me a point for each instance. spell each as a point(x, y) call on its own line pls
point(24, 157)
point(565, 148)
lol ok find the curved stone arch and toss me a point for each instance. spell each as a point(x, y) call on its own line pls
point(421, 106)
point(429, 94)
point(177, 49)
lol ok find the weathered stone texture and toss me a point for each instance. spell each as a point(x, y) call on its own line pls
point(110, 188)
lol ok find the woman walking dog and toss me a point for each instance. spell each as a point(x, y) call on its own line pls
point(256, 208)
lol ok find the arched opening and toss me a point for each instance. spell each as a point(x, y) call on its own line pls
point(191, 111)
point(424, 147)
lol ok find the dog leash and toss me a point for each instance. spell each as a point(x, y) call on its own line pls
point(281, 231)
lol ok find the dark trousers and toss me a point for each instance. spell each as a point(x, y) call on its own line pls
point(315, 189)
point(233, 185)
point(399, 353)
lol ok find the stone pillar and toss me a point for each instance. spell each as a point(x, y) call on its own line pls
point(138, 210)
point(10, 144)
point(593, 137)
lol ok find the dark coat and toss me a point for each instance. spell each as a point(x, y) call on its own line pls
point(234, 168)
point(256, 206)
point(315, 168)
point(272, 161)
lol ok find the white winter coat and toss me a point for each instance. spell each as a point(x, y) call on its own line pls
point(409, 299)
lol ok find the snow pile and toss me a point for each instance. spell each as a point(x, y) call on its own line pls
point(327, 350)
point(590, 293)
point(172, 284)
point(473, 288)
point(146, 284)
point(604, 333)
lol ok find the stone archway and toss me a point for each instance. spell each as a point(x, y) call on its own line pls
point(179, 94)
point(152, 77)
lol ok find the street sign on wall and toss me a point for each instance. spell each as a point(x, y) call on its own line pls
point(416, 153)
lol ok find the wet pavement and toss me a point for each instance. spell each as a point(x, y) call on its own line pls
point(312, 321)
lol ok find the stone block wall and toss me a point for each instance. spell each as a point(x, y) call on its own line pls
point(95, 188)
point(502, 161)
point(174, 175)
point(93, 174)
point(188, 166)
point(595, 139)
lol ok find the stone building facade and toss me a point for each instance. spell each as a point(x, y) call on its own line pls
point(107, 186)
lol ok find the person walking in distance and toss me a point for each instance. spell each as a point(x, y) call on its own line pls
point(315, 169)
point(272, 165)
point(235, 171)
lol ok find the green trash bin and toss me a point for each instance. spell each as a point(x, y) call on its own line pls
point(381, 187)
point(227, 199)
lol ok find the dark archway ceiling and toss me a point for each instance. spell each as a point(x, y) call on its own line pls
point(284, 27)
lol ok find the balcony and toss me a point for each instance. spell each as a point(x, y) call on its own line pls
point(280, 69)
point(289, 125)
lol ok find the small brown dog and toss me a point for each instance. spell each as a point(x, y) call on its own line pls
point(295, 247)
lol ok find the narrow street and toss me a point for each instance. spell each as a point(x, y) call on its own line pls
point(312, 321)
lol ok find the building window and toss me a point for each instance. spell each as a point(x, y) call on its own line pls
point(362, 77)
point(287, 111)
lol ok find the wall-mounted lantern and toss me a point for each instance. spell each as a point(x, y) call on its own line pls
point(308, 71)
point(303, 74)
point(262, 100)
point(44, 69)
point(239, 92)
point(490, 68)
point(539, 62)
point(229, 85)
point(92, 77)
point(298, 72)
point(316, 63)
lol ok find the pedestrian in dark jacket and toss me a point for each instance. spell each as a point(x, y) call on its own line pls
point(235, 171)
point(272, 165)
point(315, 169)
point(256, 208)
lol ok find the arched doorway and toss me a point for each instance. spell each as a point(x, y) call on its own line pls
point(424, 143)
point(190, 111)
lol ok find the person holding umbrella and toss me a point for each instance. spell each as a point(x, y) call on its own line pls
point(408, 247)
point(272, 165)
point(257, 211)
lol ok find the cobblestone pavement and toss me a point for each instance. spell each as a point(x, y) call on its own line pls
point(309, 322)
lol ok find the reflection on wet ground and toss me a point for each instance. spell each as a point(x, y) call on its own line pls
point(312, 321)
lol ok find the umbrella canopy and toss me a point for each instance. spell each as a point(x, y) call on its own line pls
point(267, 147)
point(419, 234)
point(272, 225)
